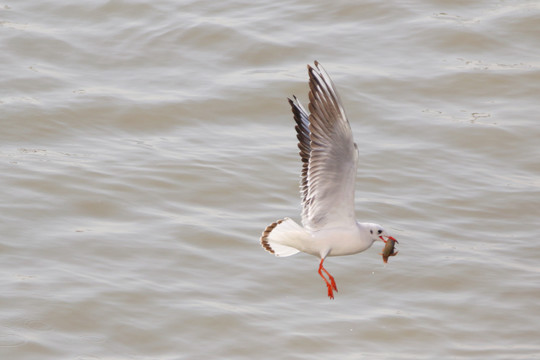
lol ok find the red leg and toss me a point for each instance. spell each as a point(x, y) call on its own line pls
point(331, 278)
point(330, 285)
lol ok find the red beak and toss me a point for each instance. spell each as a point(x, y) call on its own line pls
point(389, 238)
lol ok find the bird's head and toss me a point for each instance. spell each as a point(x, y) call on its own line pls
point(377, 232)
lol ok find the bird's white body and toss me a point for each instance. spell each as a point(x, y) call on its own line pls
point(332, 241)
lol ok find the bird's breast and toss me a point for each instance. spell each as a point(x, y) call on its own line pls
point(342, 241)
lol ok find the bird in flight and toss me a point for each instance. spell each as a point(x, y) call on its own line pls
point(329, 162)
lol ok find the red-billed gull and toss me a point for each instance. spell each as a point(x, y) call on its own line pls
point(329, 162)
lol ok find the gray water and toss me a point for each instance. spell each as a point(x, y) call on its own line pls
point(144, 146)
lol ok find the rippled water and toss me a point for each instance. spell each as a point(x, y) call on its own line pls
point(144, 146)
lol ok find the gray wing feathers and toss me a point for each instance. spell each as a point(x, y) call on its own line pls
point(301, 118)
point(329, 155)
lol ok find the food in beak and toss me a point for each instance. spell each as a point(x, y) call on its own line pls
point(389, 249)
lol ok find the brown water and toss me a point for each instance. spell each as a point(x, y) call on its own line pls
point(144, 146)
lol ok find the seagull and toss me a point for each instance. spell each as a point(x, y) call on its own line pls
point(329, 164)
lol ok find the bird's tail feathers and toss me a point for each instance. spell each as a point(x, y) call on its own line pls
point(278, 236)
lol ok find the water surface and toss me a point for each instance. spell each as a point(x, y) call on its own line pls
point(144, 146)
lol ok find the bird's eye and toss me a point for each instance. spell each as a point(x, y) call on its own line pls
point(379, 232)
point(371, 231)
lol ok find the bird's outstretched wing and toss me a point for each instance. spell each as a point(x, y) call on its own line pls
point(329, 155)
